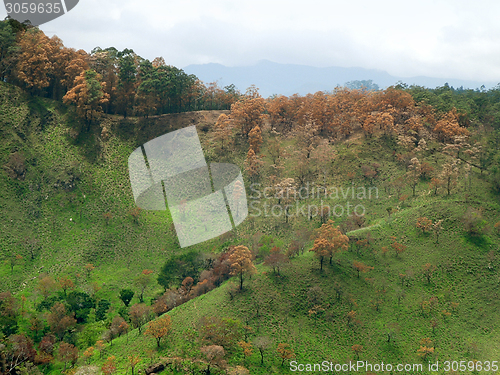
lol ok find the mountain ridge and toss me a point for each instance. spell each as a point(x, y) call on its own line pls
point(287, 79)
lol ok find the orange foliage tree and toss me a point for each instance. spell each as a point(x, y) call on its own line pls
point(448, 127)
point(240, 260)
point(249, 111)
point(88, 95)
point(329, 241)
point(159, 328)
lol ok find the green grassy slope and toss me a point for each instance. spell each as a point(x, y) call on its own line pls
point(302, 306)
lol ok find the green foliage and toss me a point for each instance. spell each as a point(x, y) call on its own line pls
point(177, 268)
point(102, 309)
point(126, 296)
point(80, 303)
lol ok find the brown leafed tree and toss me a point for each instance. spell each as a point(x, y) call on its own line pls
point(223, 131)
point(246, 347)
point(88, 95)
point(424, 223)
point(253, 165)
point(329, 241)
point(67, 353)
point(361, 267)
point(285, 352)
point(59, 321)
point(276, 260)
point(240, 260)
point(109, 367)
point(133, 360)
point(249, 112)
point(429, 270)
point(159, 328)
point(357, 349)
point(255, 139)
point(139, 315)
point(214, 354)
point(448, 127)
point(34, 65)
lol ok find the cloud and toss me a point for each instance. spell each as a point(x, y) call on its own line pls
point(442, 38)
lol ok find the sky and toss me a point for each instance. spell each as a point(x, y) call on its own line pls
point(436, 38)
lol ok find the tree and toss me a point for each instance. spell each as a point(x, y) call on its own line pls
point(246, 347)
point(399, 248)
point(8, 50)
point(424, 223)
point(255, 139)
point(126, 296)
point(143, 281)
point(223, 131)
point(118, 327)
point(159, 328)
point(13, 260)
point(240, 260)
point(139, 314)
point(102, 309)
point(357, 349)
point(449, 175)
point(177, 268)
point(89, 268)
point(66, 283)
point(253, 164)
point(127, 71)
point(58, 320)
point(448, 126)
point(89, 353)
point(285, 191)
point(109, 367)
point(262, 343)
point(133, 360)
point(248, 112)
point(360, 267)
point(226, 332)
point(426, 348)
point(329, 241)
point(34, 66)
point(474, 222)
point(80, 304)
point(323, 155)
point(414, 173)
point(429, 270)
point(67, 353)
point(276, 260)
point(20, 350)
point(285, 352)
point(88, 95)
point(437, 228)
point(214, 355)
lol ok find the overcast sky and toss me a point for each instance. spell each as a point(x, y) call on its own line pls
point(447, 38)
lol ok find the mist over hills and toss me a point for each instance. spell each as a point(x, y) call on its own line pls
point(288, 79)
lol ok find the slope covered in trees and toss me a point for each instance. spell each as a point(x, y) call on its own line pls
point(373, 228)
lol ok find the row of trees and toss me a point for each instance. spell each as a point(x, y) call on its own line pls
point(116, 82)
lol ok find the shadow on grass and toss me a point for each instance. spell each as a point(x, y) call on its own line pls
point(479, 241)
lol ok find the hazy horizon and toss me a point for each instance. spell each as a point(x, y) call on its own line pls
point(432, 38)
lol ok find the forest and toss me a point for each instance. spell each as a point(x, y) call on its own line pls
point(92, 284)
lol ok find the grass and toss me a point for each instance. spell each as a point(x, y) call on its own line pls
point(71, 231)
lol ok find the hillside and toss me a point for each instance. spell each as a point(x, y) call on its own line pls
point(66, 203)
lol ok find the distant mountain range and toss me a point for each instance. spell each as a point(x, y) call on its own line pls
point(288, 79)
